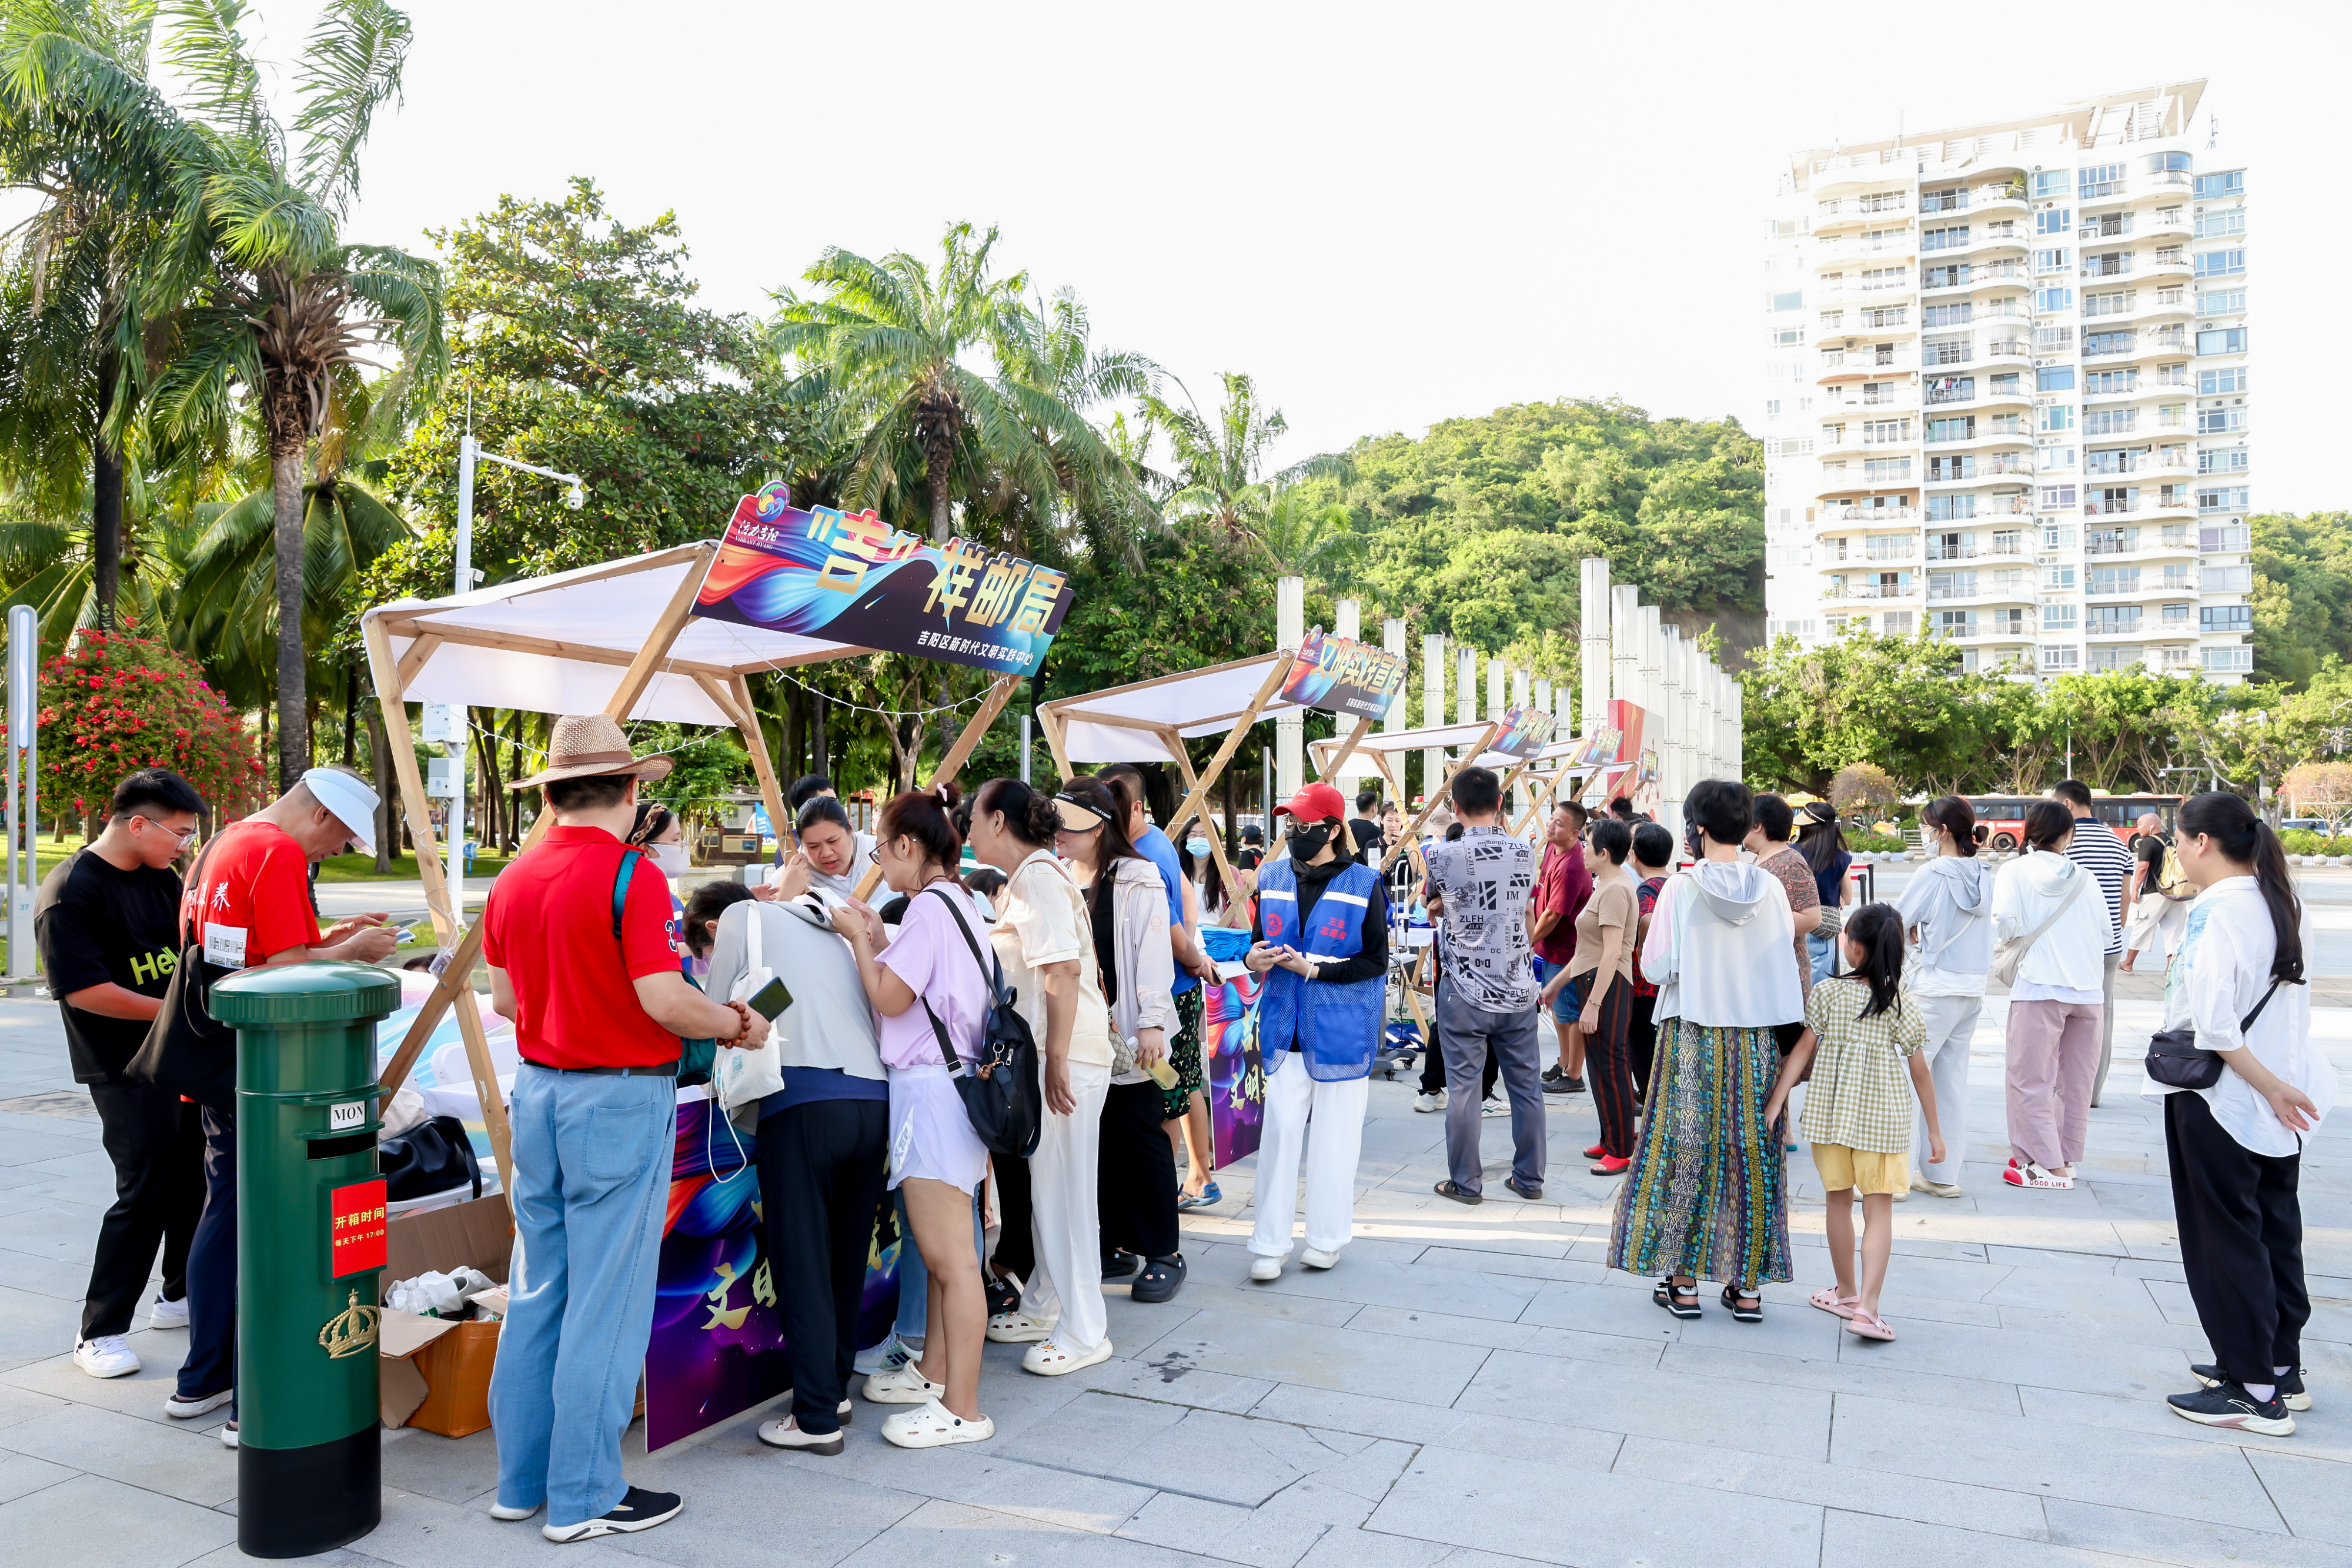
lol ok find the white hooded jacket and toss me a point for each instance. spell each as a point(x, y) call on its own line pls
point(1718, 948)
point(2071, 956)
point(1947, 903)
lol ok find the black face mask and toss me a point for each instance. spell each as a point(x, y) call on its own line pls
point(1306, 843)
point(1691, 840)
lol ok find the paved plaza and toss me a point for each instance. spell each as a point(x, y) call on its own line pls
point(1469, 1386)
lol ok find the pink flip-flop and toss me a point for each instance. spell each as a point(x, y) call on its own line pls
point(1868, 1324)
point(1830, 1301)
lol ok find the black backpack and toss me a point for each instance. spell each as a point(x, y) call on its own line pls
point(1001, 1090)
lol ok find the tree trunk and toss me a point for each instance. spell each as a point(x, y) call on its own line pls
point(106, 525)
point(387, 789)
point(293, 731)
point(350, 708)
point(818, 759)
point(795, 731)
point(937, 458)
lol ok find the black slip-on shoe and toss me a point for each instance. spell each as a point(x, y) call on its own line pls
point(637, 1510)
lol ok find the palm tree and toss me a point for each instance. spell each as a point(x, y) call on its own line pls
point(927, 364)
point(1299, 535)
point(294, 306)
point(1219, 465)
point(88, 282)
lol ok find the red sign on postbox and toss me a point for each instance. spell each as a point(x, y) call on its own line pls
point(355, 1235)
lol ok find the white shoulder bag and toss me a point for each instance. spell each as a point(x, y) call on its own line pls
point(2008, 954)
point(742, 1074)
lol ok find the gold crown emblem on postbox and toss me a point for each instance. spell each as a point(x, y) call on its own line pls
point(351, 1331)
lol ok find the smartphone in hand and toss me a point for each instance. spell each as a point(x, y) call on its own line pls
point(770, 1001)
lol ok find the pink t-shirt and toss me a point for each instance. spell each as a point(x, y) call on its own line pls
point(930, 957)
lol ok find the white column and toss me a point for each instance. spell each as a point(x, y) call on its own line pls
point(1465, 690)
point(1705, 733)
point(1543, 697)
point(1290, 728)
point(1392, 640)
point(1433, 710)
point(1624, 643)
point(1649, 679)
point(1498, 675)
point(1687, 661)
point(1670, 722)
point(1738, 734)
point(1593, 648)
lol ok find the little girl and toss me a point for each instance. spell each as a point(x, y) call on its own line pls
point(1861, 1031)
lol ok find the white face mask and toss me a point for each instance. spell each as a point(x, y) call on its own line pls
point(671, 858)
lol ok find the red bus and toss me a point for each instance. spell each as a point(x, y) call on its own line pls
point(2002, 817)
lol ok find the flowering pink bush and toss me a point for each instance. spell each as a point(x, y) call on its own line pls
point(113, 703)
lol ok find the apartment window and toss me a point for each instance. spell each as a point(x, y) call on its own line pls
point(2058, 617)
point(2113, 304)
point(2007, 623)
point(2054, 221)
point(2226, 618)
point(2059, 535)
point(1945, 276)
point(2210, 187)
point(2220, 421)
point(1956, 622)
point(1792, 300)
point(2114, 579)
point(2222, 341)
point(2107, 620)
point(2239, 579)
point(2109, 384)
point(1886, 470)
point(2110, 264)
point(2230, 460)
point(2054, 378)
point(1951, 389)
point(2228, 660)
point(2054, 260)
point(2005, 383)
point(2223, 302)
point(1962, 429)
point(2178, 615)
point(1882, 431)
point(1884, 277)
point(2232, 498)
point(1945, 239)
point(2099, 180)
point(1771, 408)
point(1944, 351)
point(2217, 225)
point(1899, 623)
point(2053, 340)
point(1945, 468)
point(1953, 199)
point(2058, 579)
point(2049, 182)
point(2109, 342)
point(2217, 382)
point(1944, 315)
point(2061, 658)
point(2162, 162)
point(2220, 262)
point(2051, 300)
point(2109, 422)
point(2222, 536)
point(2058, 416)
point(2057, 498)
point(1885, 315)
point(1950, 509)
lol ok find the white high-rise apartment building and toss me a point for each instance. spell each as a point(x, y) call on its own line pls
point(2006, 392)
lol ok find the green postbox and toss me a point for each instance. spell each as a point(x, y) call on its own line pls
point(310, 1248)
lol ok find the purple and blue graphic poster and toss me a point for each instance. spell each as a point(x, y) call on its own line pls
point(848, 576)
point(1228, 1020)
point(1338, 674)
point(718, 1344)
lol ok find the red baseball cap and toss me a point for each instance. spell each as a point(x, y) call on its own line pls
point(1315, 803)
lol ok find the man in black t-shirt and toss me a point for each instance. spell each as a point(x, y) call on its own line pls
point(107, 925)
point(1364, 828)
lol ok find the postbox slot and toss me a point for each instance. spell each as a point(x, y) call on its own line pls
point(329, 1148)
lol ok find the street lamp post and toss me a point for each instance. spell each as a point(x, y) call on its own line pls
point(455, 740)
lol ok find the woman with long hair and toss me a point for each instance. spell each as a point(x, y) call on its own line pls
point(1127, 909)
point(1822, 841)
point(2236, 1148)
point(1944, 908)
point(1599, 979)
point(1044, 939)
point(928, 987)
point(661, 834)
point(2055, 1002)
point(1705, 1197)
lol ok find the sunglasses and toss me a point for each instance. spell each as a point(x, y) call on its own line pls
point(180, 834)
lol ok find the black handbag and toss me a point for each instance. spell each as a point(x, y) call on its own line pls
point(432, 1156)
point(185, 1051)
point(1001, 1090)
point(2173, 1058)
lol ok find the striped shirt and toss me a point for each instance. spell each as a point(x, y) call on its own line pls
point(2096, 850)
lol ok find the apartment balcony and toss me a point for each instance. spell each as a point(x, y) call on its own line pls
point(2097, 629)
point(2110, 508)
point(1877, 517)
point(2006, 349)
point(2167, 264)
point(2008, 465)
point(2011, 550)
point(1873, 590)
point(1889, 207)
point(1998, 201)
point(1985, 275)
point(1870, 253)
point(1999, 593)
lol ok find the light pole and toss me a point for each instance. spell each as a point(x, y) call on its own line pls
point(454, 739)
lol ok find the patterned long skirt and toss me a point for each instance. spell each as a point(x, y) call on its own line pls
point(1705, 1196)
point(1183, 1056)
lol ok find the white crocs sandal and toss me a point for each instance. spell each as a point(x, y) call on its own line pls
point(906, 1386)
point(1047, 1359)
point(934, 1425)
point(1018, 1328)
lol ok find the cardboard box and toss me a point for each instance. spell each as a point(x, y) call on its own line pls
point(436, 1371)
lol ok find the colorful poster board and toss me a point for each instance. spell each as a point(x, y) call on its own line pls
point(1524, 732)
point(1339, 674)
point(1228, 1015)
point(718, 1344)
point(848, 576)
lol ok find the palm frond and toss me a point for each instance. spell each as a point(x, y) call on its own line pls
point(351, 66)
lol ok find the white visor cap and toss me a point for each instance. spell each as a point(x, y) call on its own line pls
point(351, 801)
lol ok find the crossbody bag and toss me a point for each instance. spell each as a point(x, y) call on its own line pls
point(2176, 1060)
point(2007, 955)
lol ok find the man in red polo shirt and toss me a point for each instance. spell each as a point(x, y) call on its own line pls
point(1562, 886)
point(599, 1007)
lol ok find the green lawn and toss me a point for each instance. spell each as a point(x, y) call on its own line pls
point(361, 868)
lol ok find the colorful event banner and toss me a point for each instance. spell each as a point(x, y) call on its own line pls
point(1228, 1015)
point(848, 576)
point(1524, 732)
point(1339, 674)
point(718, 1344)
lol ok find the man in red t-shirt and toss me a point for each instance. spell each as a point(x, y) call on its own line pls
point(598, 1014)
point(1562, 886)
point(249, 902)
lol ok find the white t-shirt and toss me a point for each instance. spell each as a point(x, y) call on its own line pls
point(1041, 919)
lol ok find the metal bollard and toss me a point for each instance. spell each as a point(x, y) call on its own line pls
point(311, 1245)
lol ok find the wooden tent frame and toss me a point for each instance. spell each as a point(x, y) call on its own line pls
point(727, 687)
point(1053, 719)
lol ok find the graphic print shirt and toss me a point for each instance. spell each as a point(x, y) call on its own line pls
point(1485, 878)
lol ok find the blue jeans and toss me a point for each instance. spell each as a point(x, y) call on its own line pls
point(1821, 950)
point(592, 1162)
point(1567, 1004)
point(211, 1366)
point(914, 1276)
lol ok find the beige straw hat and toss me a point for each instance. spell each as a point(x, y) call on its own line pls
point(590, 746)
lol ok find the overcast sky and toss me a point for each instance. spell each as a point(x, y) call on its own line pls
point(1389, 214)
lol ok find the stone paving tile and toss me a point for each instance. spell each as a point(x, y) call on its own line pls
point(447, 1470)
point(750, 1504)
point(1499, 1298)
point(1223, 1531)
point(2152, 1474)
point(1342, 1359)
point(1869, 1541)
point(950, 1532)
point(1444, 1326)
point(30, 1145)
point(1172, 1380)
point(1927, 1500)
point(2314, 1495)
point(1831, 1375)
point(22, 1473)
point(2155, 1538)
point(23, 1405)
point(424, 1533)
point(2016, 1355)
point(191, 1466)
point(142, 1393)
point(91, 1521)
point(1370, 1549)
point(1199, 1453)
point(1657, 1404)
point(1553, 1513)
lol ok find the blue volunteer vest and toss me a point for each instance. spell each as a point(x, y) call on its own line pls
point(1336, 1027)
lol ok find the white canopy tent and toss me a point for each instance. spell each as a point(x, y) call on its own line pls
point(618, 638)
point(1474, 737)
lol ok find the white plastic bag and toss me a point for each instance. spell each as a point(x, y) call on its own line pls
point(741, 1075)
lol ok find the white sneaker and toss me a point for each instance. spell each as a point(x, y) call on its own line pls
point(934, 1425)
point(1494, 1108)
point(500, 1511)
point(888, 1356)
point(181, 1409)
point(1047, 1359)
point(1316, 1258)
point(902, 1385)
point(166, 1314)
point(108, 1356)
point(1265, 1268)
point(2031, 1175)
point(229, 1436)
point(1430, 1102)
point(787, 1434)
point(1018, 1328)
